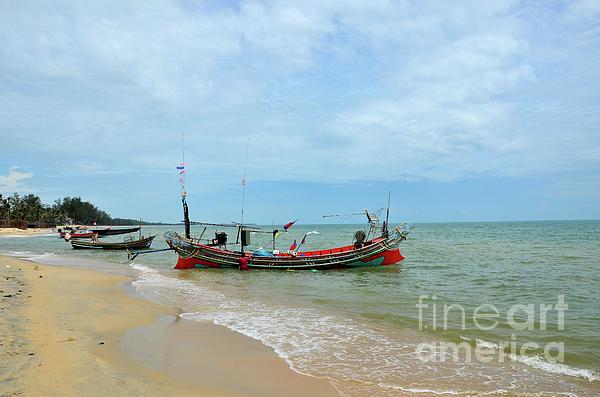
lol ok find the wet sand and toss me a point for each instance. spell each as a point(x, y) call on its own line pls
point(73, 332)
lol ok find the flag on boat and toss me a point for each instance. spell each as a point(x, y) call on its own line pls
point(285, 229)
point(288, 225)
point(181, 172)
point(293, 246)
point(181, 166)
point(304, 238)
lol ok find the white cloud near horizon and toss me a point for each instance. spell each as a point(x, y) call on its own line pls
point(327, 91)
point(13, 181)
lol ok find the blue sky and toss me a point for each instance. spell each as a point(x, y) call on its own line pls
point(464, 110)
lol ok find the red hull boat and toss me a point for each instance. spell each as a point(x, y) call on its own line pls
point(381, 251)
point(82, 235)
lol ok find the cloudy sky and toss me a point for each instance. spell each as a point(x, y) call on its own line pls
point(483, 110)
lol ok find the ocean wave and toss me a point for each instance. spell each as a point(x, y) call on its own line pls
point(16, 253)
point(415, 390)
point(555, 368)
point(26, 235)
point(539, 362)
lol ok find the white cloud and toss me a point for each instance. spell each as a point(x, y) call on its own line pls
point(13, 181)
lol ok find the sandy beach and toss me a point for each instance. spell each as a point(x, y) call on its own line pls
point(13, 231)
point(68, 332)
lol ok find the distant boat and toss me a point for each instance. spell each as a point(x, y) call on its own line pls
point(62, 232)
point(109, 231)
point(128, 243)
point(78, 234)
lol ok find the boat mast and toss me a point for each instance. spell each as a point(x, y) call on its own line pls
point(186, 215)
point(241, 229)
point(385, 231)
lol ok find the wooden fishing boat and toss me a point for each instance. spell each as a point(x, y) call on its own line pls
point(109, 231)
point(128, 243)
point(380, 251)
point(62, 232)
point(79, 234)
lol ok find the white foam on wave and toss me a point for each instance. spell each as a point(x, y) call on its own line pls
point(16, 253)
point(481, 342)
point(29, 256)
point(26, 235)
point(415, 390)
point(555, 368)
point(539, 362)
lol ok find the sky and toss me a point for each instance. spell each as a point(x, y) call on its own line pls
point(465, 111)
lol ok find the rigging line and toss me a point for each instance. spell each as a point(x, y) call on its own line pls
point(343, 215)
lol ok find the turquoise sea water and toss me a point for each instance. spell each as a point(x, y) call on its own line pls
point(363, 329)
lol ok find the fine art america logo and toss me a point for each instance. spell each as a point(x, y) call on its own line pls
point(486, 317)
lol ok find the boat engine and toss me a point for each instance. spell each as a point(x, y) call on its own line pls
point(220, 238)
point(360, 237)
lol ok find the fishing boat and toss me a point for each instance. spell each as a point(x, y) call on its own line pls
point(62, 232)
point(127, 243)
point(380, 251)
point(78, 234)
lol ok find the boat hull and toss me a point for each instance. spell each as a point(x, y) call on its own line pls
point(135, 244)
point(113, 232)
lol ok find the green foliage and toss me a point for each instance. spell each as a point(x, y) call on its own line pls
point(124, 221)
point(29, 208)
point(82, 212)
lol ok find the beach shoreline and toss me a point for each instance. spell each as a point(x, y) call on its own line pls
point(69, 331)
point(29, 232)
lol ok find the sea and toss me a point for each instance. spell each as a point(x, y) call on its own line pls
point(481, 308)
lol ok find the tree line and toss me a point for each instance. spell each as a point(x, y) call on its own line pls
point(28, 209)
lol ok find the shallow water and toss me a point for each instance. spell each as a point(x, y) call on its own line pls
point(362, 328)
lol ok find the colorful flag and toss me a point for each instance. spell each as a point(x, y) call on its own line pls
point(304, 238)
point(288, 225)
point(293, 246)
point(181, 166)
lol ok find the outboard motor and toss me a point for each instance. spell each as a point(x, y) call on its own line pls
point(360, 237)
point(220, 239)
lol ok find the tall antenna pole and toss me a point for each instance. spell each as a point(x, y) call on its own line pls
point(244, 180)
point(186, 215)
point(387, 216)
point(244, 192)
point(182, 175)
